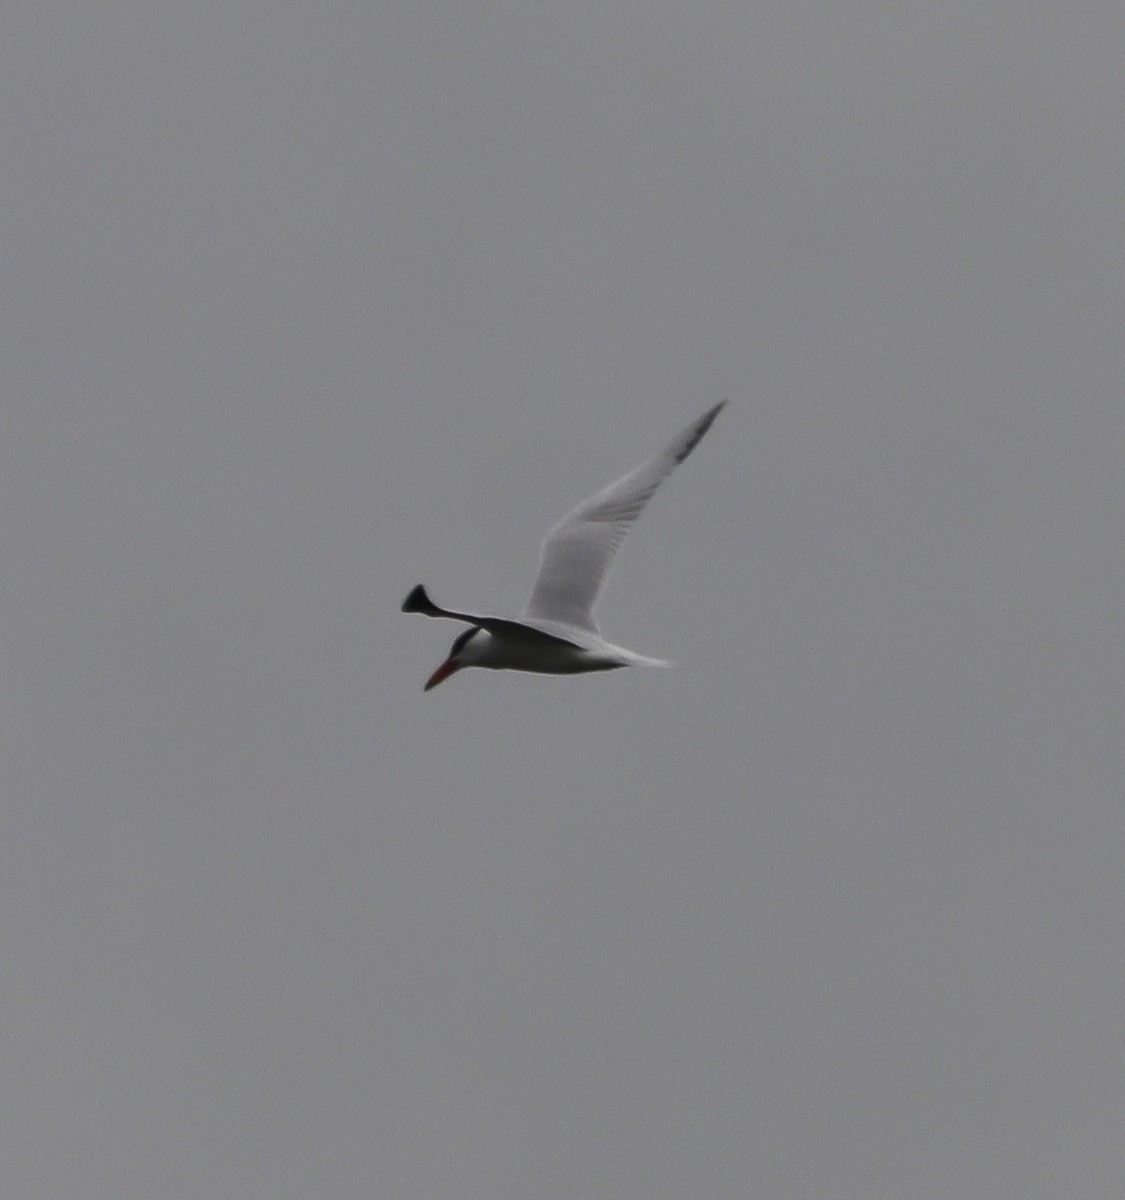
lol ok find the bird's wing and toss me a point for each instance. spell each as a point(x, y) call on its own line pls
point(419, 602)
point(577, 553)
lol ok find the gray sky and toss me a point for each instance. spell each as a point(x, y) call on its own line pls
point(304, 304)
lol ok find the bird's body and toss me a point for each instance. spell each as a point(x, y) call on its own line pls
point(557, 634)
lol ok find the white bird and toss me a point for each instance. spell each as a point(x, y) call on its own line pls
point(557, 634)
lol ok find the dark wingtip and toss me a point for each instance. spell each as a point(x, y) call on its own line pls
point(709, 416)
point(417, 601)
point(701, 426)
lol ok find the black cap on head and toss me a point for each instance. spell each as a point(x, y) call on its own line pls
point(460, 640)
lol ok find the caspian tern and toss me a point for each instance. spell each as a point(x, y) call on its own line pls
point(557, 634)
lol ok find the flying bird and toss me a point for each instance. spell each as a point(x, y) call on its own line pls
point(557, 633)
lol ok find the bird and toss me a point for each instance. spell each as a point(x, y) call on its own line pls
point(557, 633)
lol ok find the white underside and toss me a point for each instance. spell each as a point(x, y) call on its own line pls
point(552, 658)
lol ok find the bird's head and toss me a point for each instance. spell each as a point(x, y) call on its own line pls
point(464, 652)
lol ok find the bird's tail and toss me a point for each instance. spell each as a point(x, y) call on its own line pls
point(642, 660)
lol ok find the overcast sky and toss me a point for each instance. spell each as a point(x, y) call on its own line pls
point(305, 304)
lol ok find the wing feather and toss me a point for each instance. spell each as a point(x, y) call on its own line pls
point(418, 601)
point(578, 552)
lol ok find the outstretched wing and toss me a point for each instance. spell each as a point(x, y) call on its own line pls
point(419, 602)
point(577, 553)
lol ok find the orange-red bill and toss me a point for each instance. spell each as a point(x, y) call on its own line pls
point(443, 672)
